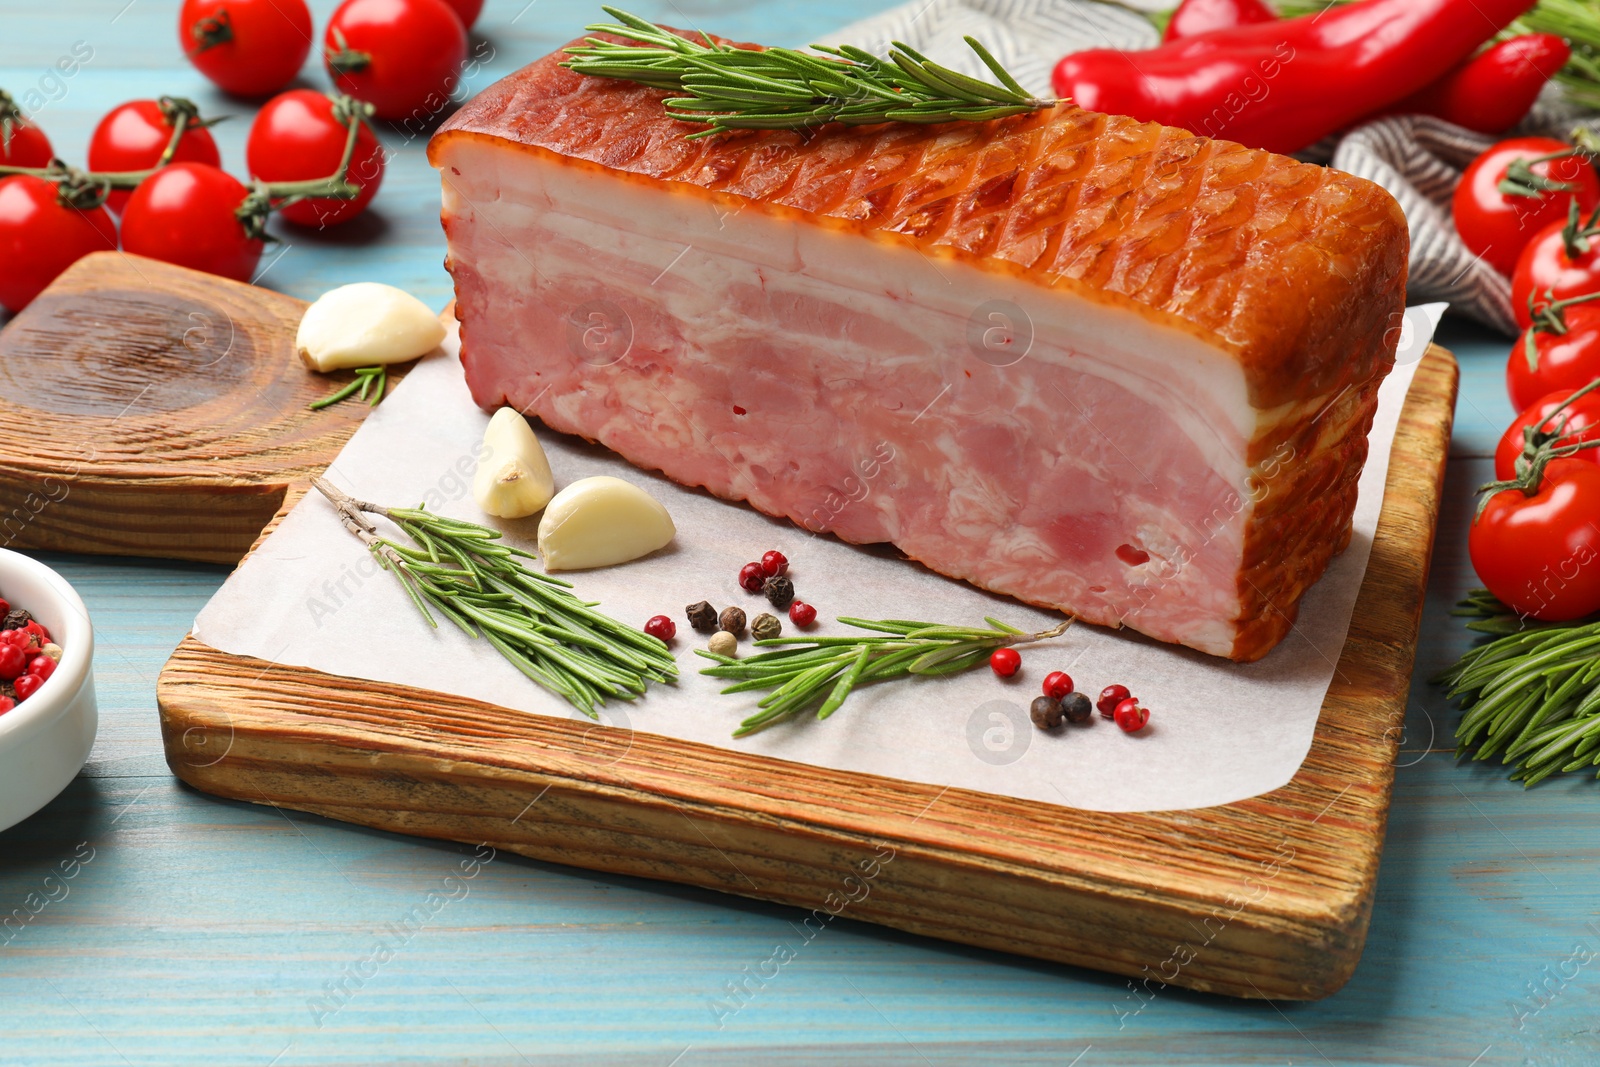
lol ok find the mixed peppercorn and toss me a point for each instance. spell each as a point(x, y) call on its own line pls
point(27, 656)
point(1061, 702)
point(768, 576)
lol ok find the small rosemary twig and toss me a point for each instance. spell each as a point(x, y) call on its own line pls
point(824, 671)
point(375, 379)
point(782, 89)
point(465, 573)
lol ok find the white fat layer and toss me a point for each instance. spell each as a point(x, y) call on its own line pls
point(710, 240)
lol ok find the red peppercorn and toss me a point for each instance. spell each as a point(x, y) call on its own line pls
point(38, 631)
point(802, 614)
point(774, 563)
point(26, 685)
point(1005, 661)
point(752, 577)
point(1130, 716)
point(1110, 697)
point(6, 704)
point(5, 607)
point(1057, 684)
point(659, 626)
point(43, 666)
point(12, 662)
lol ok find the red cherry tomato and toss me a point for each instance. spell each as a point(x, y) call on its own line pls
point(404, 57)
point(248, 47)
point(1538, 553)
point(22, 144)
point(1582, 424)
point(1567, 361)
point(133, 136)
point(1544, 267)
point(1496, 225)
point(298, 137)
point(184, 214)
point(40, 237)
point(466, 10)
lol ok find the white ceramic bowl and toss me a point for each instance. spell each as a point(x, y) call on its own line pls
point(45, 740)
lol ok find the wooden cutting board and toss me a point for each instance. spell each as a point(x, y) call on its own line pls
point(151, 410)
point(1268, 897)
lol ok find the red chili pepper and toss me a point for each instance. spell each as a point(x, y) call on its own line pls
point(1287, 84)
point(1194, 17)
point(1493, 90)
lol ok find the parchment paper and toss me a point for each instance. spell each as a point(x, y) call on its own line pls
point(1219, 732)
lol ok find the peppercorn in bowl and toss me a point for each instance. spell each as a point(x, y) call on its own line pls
point(45, 736)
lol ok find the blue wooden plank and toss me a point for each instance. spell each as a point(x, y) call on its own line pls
point(208, 932)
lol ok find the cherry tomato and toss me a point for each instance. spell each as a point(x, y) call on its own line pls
point(1568, 361)
point(248, 47)
point(1538, 553)
point(133, 136)
point(1496, 225)
point(1544, 266)
point(22, 144)
point(40, 237)
point(404, 57)
point(184, 214)
point(299, 137)
point(1582, 424)
point(466, 10)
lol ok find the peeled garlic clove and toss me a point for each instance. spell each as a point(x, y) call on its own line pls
point(513, 479)
point(596, 522)
point(365, 324)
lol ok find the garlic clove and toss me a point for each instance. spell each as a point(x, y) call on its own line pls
point(364, 325)
point(597, 522)
point(513, 479)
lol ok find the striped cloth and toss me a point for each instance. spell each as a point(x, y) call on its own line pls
point(1418, 159)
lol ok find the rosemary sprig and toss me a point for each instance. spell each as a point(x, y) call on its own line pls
point(782, 89)
point(822, 672)
point(465, 573)
point(1531, 695)
point(373, 379)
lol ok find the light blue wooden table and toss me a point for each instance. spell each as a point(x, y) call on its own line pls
point(210, 933)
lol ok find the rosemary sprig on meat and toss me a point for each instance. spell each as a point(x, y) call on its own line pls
point(731, 88)
point(822, 672)
point(1532, 695)
point(465, 573)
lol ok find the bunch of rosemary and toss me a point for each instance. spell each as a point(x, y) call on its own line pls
point(1531, 695)
point(822, 671)
point(782, 89)
point(465, 573)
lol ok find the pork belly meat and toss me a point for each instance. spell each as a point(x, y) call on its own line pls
point(1099, 365)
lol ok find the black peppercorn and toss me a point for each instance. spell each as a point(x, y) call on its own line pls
point(732, 620)
point(1045, 712)
point(1076, 707)
point(779, 590)
point(766, 627)
point(16, 619)
point(702, 617)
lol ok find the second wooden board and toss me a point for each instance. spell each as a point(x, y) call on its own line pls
point(152, 410)
point(1267, 897)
